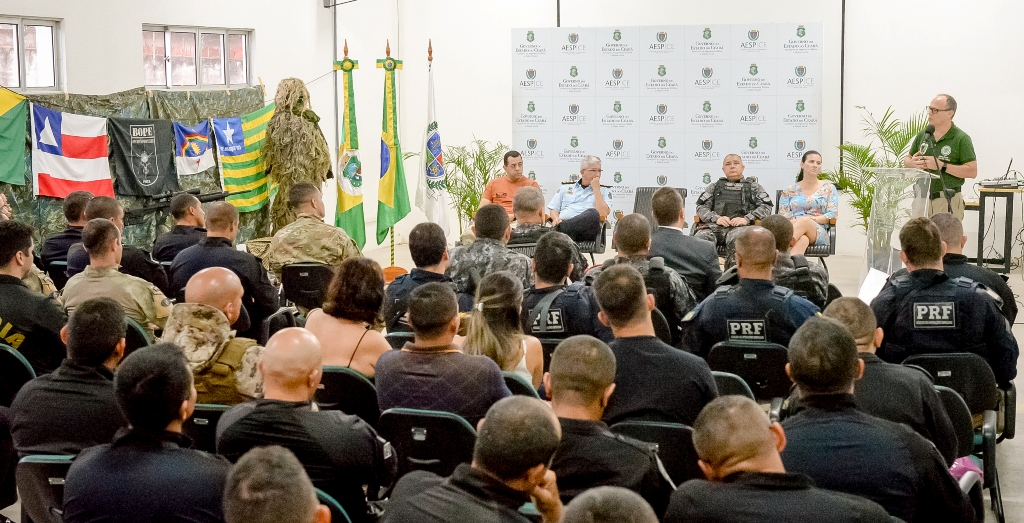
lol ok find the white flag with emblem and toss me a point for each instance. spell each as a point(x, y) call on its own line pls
point(432, 191)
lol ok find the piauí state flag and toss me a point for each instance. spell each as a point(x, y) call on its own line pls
point(240, 146)
point(349, 215)
point(193, 153)
point(13, 120)
point(431, 192)
point(69, 153)
point(392, 194)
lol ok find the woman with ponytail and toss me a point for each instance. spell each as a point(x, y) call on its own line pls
point(809, 203)
point(494, 329)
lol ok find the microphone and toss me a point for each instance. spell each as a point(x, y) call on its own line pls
point(929, 139)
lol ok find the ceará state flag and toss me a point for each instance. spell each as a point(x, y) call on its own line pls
point(69, 153)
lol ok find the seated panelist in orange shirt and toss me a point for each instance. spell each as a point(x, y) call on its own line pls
point(501, 190)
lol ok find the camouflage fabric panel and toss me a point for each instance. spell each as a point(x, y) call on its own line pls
point(309, 239)
point(200, 330)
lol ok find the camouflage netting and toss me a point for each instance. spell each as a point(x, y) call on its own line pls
point(45, 214)
point(296, 150)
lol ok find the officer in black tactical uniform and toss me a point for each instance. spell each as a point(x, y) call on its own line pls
point(672, 296)
point(728, 205)
point(753, 310)
point(926, 311)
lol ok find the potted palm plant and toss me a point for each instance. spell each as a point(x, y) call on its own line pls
point(468, 168)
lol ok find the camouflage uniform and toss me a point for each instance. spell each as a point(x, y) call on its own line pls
point(309, 239)
point(747, 199)
point(205, 335)
point(483, 257)
point(682, 297)
point(531, 233)
point(142, 301)
point(38, 281)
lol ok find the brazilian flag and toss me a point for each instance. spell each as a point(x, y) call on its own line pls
point(392, 194)
point(13, 130)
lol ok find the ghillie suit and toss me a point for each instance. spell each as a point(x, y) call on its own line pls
point(295, 150)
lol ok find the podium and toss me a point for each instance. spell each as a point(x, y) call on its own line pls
point(900, 194)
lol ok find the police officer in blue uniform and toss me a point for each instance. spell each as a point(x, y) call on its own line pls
point(926, 311)
point(755, 309)
point(579, 206)
point(728, 205)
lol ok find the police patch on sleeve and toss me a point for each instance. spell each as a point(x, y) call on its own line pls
point(749, 330)
point(935, 315)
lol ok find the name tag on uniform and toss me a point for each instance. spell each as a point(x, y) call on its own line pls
point(935, 315)
point(554, 321)
point(751, 330)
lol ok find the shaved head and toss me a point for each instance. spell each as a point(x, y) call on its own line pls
point(291, 359)
point(221, 216)
point(755, 249)
point(730, 430)
point(217, 287)
point(856, 316)
point(951, 230)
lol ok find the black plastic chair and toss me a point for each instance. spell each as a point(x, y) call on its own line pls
point(338, 514)
point(58, 272)
point(963, 426)
point(397, 340)
point(675, 446)
point(15, 372)
point(662, 330)
point(526, 249)
point(761, 364)
point(202, 426)
point(428, 440)
point(518, 385)
point(135, 337)
point(41, 487)
point(305, 284)
point(349, 391)
point(549, 345)
point(642, 202)
point(268, 327)
point(731, 384)
point(817, 250)
point(597, 245)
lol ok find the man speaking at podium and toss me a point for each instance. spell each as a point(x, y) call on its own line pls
point(945, 150)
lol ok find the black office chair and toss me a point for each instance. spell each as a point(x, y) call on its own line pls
point(428, 440)
point(305, 284)
point(642, 202)
point(58, 272)
point(135, 337)
point(596, 246)
point(963, 427)
point(338, 514)
point(731, 384)
point(761, 364)
point(344, 389)
point(269, 326)
point(518, 385)
point(41, 487)
point(526, 249)
point(202, 426)
point(397, 340)
point(662, 330)
point(15, 372)
point(675, 446)
point(817, 250)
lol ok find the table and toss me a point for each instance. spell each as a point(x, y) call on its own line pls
point(983, 195)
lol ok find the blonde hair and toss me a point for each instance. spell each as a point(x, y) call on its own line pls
point(494, 329)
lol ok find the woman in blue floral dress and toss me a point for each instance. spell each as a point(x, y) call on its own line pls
point(809, 203)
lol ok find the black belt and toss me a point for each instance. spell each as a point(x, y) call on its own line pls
point(938, 194)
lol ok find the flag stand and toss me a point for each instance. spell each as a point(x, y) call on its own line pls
point(392, 272)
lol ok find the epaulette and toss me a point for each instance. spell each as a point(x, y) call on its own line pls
point(657, 263)
point(606, 186)
point(781, 293)
point(570, 182)
point(900, 281)
point(723, 290)
point(964, 281)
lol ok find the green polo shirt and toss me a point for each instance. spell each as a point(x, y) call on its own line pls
point(954, 148)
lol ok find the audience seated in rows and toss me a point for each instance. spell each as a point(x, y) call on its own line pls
point(224, 365)
point(694, 259)
point(571, 309)
point(31, 323)
point(269, 485)
point(844, 449)
point(488, 253)
point(672, 296)
point(429, 249)
point(514, 448)
point(889, 391)
point(134, 261)
point(653, 380)
point(55, 248)
point(142, 301)
point(345, 324)
point(74, 407)
point(746, 479)
point(148, 473)
point(494, 329)
point(433, 373)
point(528, 207)
point(308, 238)
point(926, 311)
point(189, 228)
point(580, 383)
point(340, 452)
point(217, 250)
point(609, 505)
point(754, 309)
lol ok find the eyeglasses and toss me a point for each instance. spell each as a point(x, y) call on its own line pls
point(933, 110)
point(594, 170)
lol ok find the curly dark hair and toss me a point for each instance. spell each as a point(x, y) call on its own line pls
point(356, 292)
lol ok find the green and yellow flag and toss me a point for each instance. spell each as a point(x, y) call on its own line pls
point(240, 147)
point(349, 215)
point(13, 130)
point(392, 195)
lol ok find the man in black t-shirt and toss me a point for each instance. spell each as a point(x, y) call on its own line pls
point(55, 248)
point(189, 223)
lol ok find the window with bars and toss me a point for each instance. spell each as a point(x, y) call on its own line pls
point(198, 57)
point(29, 54)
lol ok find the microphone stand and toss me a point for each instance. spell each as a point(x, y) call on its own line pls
point(941, 167)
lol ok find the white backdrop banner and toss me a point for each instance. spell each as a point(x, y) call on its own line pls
point(663, 105)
